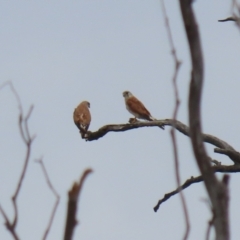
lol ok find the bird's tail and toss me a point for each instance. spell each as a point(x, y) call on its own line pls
point(154, 119)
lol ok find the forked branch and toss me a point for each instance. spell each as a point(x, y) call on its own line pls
point(192, 180)
point(27, 139)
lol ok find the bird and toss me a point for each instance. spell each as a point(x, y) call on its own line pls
point(82, 117)
point(136, 107)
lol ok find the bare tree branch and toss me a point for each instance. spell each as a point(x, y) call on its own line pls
point(182, 128)
point(227, 19)
point(90, 136)
point(40, 161)
point(235, 14)
point(23, 126)
point(187, 183)
point(24, 132)
point(175, 111)
point(192, 180)
point(233, 155)
point(9, 83)
point(9, 225)
point(73, 196)
point(217, 191)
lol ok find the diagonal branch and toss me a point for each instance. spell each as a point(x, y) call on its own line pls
point(192, 180)
point(73, 197)
point(9, 225)
point(40, 161)
point(187, 183)
point(9, 83)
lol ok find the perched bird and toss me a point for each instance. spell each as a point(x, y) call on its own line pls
point(135, 107)
point(82, 117)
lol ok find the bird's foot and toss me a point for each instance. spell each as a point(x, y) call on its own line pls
point(133, 120)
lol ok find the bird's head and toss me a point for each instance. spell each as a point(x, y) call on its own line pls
point(86, 103)
point(127, 94)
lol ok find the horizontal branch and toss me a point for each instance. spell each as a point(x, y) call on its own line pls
point(90, 136)
point(228, 19)
point(192, 180)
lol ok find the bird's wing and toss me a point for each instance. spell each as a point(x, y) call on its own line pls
point(136, 106)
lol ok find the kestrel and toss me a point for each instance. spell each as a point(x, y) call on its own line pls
point(82, 117)
point(135, 107)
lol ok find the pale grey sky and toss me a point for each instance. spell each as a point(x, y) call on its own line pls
point(58, 53)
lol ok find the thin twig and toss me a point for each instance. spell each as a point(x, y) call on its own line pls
point(175, 111)
point(27, 139)
point(40, 161)
point(73, 196)
point(10, 84)
point(187, 183)
point(9, 225)
point(23, 126)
